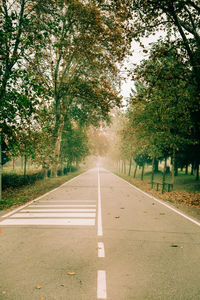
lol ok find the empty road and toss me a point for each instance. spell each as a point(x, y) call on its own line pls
point(98, 237)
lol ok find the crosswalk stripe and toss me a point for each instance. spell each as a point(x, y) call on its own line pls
point(54, 215)
point(46, 201)
point(60, 210)
point(61, 205)
point(54, 222)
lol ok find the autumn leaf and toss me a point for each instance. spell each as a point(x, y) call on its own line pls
point(173, 245)
point(71, 273)
point(117, 217)
point(38, 287)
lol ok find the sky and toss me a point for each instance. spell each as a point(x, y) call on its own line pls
point(137, 56)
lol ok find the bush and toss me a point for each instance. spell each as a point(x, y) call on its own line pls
point(15, 180)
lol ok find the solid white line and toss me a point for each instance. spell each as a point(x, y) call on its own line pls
point(60, 210)
point(99, 221)
point(54, 215)
point(101, 251)
point(65, 222)
point(23, 206)
point(161, 202)
point(101, 285)
point(61, 205)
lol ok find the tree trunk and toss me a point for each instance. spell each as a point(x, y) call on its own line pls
point(153, 170)
point(173, 164)
point(164, 176)
point(57, 150)
point(197, 171)
point(186, 169)
point(156, 165)
point(192, 168)
point(142, 174)
point(136, 166)
point(130, 165)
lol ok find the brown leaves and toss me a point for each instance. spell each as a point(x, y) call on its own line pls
point(173, 245)
point(38, 287)
point(117, 217)
point(71, 273)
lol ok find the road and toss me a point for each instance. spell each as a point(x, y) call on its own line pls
point(98, 237)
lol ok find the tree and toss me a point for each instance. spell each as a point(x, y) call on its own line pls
point(19, 35)
point(161, 108)
point(78, 63)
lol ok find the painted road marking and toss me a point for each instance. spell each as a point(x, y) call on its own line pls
point(60, 210)
point(99, 218)
point(54, 215)
point(54, 222)
point(44, 201)
point(62, 205)
point(101, 285)
point(101, 251)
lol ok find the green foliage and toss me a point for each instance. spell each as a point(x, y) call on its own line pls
point(16, 180)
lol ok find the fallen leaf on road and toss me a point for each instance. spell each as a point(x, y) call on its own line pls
point(38, 287)
point(71, 273)
point(173, 245)
point(153, 203)
point(122, 207)
point(0, 231)
point(62, 285)
point(117, 217)
point(145, 212)
point(42, 298)
point(162, 214)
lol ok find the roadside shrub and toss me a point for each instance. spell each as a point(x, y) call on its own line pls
point(16, 180)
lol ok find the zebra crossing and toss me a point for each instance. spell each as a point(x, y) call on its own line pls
point(53, 213)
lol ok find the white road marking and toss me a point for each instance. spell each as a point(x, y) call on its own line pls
point(101, 285)
point(161, 202)
point(61, 205)
point(54, 215)
point(65, 222)
point(99, 221)
point(101, 251)
point(60, 210)
point(44, 201)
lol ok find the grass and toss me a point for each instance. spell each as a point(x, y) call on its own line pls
point(183, 182)
point(18, 196)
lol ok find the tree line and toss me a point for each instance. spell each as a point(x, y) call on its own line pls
point(58, 75)
point(162, 118)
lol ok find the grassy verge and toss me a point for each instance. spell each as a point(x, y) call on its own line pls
point(181, 197)
point(17, 196)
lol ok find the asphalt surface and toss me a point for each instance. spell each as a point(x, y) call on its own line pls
point(98, 237)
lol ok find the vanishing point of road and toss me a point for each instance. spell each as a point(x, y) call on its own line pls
point(98, 237)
